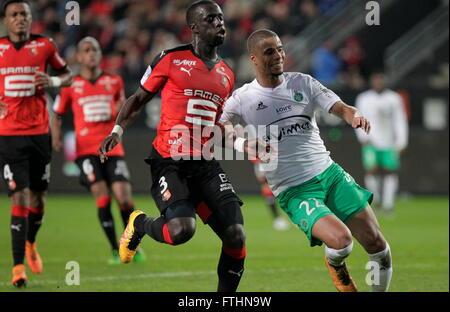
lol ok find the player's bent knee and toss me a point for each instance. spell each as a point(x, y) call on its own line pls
point(181, 230)
point(234, 236)
point(339, 240)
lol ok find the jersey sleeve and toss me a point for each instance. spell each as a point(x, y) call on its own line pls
point(156, 74)
point(55, 60)
point(231, 109)
point(400, 123)
point(320, 95)
point(62, 101)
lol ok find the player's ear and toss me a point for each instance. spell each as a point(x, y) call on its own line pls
point(194, 28)
point(253, 58)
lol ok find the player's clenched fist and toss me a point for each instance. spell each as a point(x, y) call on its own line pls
point(108, 144)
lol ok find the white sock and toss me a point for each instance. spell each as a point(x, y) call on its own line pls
point(372, 183)
point(384, 260)
point(336, 257)
point(390, 185)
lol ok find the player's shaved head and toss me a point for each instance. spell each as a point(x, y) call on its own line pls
point(256, 37)
point(90, 40)
point(191, 12)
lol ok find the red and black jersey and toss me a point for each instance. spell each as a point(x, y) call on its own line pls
point(26, 109)
point(95, 107)
point(193, 93)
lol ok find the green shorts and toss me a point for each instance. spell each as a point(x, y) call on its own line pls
point(386, 159)
point(333, 191)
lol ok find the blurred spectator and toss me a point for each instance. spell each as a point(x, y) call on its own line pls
point(140, 29)
point(133, 69)
point(326, 6)
point(352, 53)
point(279, 13)
point(306, 12)
point(326, 65)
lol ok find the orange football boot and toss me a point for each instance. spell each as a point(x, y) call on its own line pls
point(34, 260)
point(341, 278)
point(19, 276)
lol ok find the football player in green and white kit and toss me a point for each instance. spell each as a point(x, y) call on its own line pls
point(381, 148)
point(321, 198)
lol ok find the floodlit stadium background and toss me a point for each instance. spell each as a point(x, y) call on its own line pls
point(410, 44)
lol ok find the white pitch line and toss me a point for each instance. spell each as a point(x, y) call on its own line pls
point(140, 276)
point(191, 273)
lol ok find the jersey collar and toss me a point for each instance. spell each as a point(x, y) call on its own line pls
point(208, 63)
point(269, 89)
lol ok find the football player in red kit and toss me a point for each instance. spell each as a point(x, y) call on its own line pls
point(95, 99)
point(194, 83)
point(25, 147)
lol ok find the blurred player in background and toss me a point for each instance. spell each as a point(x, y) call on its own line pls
point(382, 147)
point(25, 147)
point(194, 83)
point(95, 99)
point(317, 194)
point(279, 223)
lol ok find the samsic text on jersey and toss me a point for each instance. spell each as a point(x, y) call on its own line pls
point(192, 93)
point(95, 107)
point(26, 110)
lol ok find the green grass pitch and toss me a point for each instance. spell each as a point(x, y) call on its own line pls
point(276, 261)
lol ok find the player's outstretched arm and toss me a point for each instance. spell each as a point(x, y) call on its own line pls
point(351, 115)
point(127, 115)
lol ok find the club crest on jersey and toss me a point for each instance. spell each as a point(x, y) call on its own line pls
point(298, 96)
point(224, 81)
point(107, 81)
point(33, 45)
point(221, 70)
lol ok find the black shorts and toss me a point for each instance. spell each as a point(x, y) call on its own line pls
point(201, 182)
point(114, 169)
point(25, 161)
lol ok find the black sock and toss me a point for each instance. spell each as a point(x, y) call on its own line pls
point(107, 223)
point(34, 224)
point(18, 235)
point(229, 270)
point(153, 227)
point(125, 211)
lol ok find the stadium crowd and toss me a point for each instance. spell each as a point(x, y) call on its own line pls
point(131, 33)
